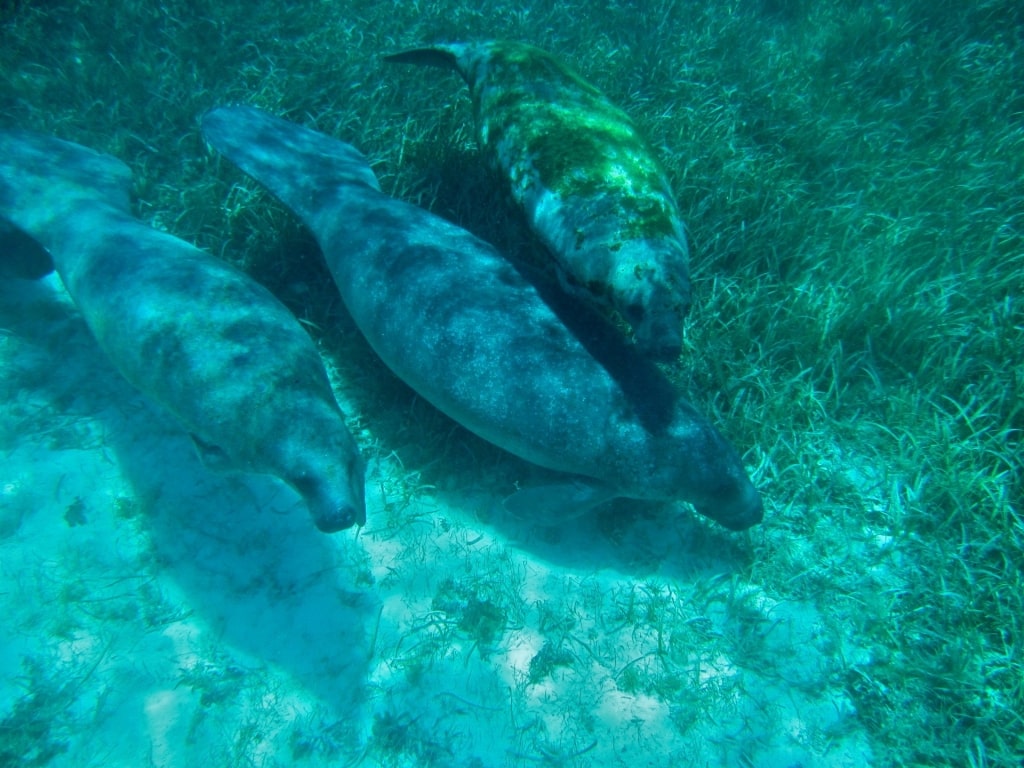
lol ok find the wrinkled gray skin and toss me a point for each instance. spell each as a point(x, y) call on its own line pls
point(208, 343)
point(458, 323)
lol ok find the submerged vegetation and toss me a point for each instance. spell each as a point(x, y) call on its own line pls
point(852, 177)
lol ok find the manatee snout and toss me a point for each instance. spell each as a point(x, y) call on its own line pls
point(336, 496)
point(735, 505)
point(340, 518)
point(701, 467)
point(660, 336)
point(655, 307)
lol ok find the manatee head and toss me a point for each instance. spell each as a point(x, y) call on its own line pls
point(335, 493)
point(700, 466)
point(658, 331)
point(651, 291)
point(737, 505)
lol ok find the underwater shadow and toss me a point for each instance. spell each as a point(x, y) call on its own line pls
point(644, 386)
point(633, 538)
point(242, 548)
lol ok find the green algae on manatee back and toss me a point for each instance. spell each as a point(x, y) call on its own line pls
point(589, 183)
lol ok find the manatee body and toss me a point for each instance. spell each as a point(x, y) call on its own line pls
point(591, 188)
point(215, 348)
point(465, 329)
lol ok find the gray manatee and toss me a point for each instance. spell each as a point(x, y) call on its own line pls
point(204, 340)
point(464, 328)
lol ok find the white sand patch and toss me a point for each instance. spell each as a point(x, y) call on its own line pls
point(165, 711)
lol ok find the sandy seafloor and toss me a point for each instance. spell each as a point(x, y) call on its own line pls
point(158, 614)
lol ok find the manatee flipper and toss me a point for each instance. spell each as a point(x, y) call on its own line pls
point(213, 457)
point(199, 337)
point(557, 502)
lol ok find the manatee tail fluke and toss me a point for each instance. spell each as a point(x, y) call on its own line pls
point(43, 178)
point(440, 56)
point(298, 165)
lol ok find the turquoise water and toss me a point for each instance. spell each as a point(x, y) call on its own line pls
point(850, 179)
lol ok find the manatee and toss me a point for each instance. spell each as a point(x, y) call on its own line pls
point(202, 339)
point(591, 188)
point(466, 329)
